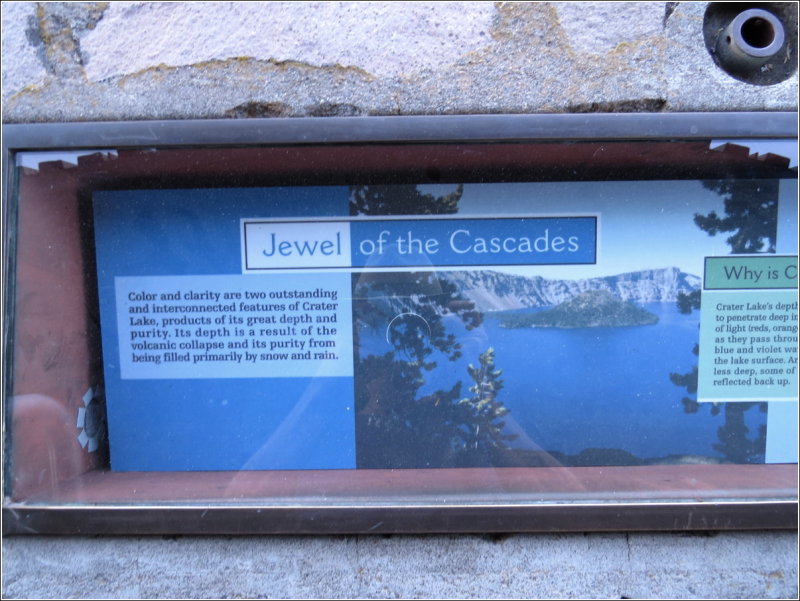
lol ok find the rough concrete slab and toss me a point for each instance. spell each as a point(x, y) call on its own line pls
point(726, 565)
point(739, 564)
point(597, 28)
point(208, 60)
point(21, 44)
point(522, 63)
point(381, 38)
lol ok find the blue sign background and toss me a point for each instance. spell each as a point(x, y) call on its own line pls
point(211, 424)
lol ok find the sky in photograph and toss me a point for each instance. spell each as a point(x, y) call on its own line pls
point(642, 225)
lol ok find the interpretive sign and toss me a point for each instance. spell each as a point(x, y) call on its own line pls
point(749, 329)
point(305, 325)
point(315, 328)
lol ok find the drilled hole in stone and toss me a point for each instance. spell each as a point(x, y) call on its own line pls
point(752, 42)
point(758, 32)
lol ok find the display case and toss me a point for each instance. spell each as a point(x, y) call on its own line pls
point(401, 324)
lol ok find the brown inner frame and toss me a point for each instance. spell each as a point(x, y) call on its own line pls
point(56, 344)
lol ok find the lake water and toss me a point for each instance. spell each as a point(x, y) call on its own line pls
point(573, 389)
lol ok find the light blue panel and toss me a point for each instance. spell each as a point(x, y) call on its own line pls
point(748, 346)
point(782, 418)
point(782, 433)
point(786, 239)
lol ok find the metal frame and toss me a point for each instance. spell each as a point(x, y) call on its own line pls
point(398, 519)
point(337, 130)
point(418, 515)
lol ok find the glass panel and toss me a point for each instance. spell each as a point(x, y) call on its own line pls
point(382, 324)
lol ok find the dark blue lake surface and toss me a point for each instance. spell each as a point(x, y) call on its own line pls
point(573, 389)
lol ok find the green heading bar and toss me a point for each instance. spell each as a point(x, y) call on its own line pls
point(750, 273)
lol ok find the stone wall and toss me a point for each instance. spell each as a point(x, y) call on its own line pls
point(149, 60)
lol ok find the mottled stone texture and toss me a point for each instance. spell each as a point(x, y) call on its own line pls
point(151, 60)
point(734, 565)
